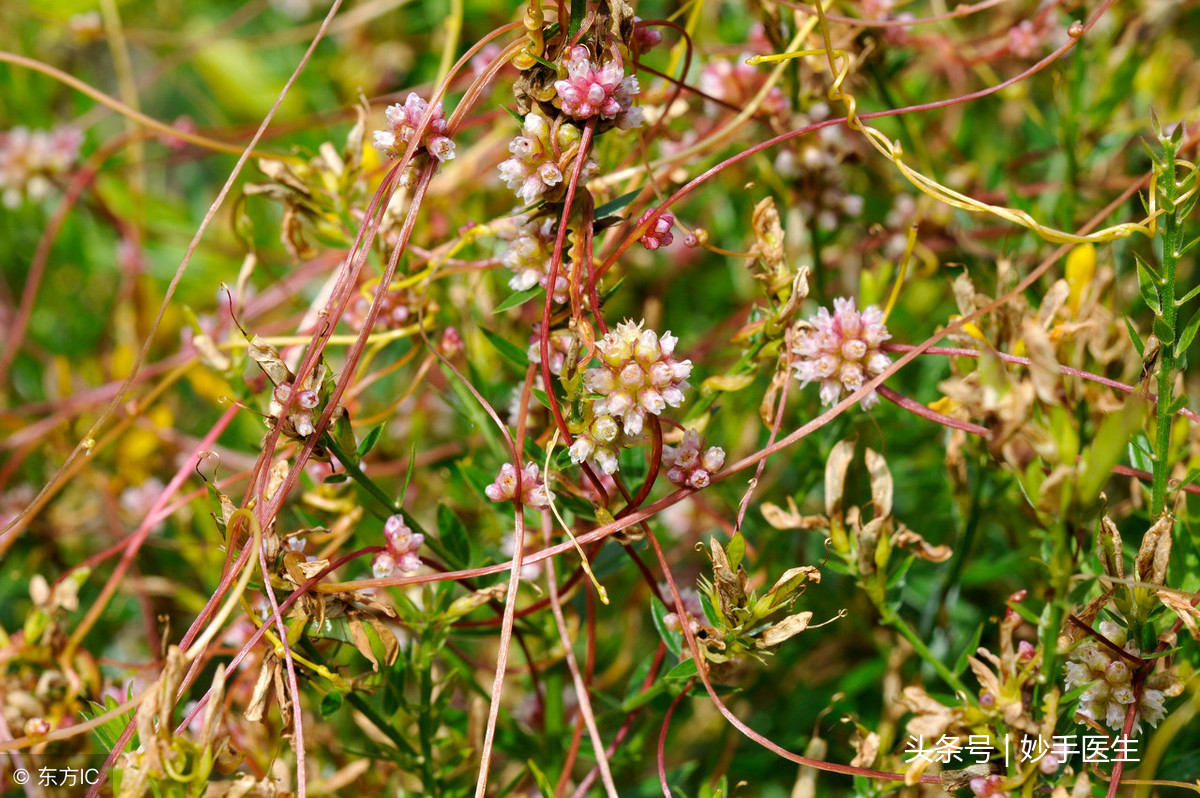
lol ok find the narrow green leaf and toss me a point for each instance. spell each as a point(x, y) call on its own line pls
point(335, 479)
point(412, 461)
point(453, 536)
point(1190, 294)
point(578, 10)
point(1165, 334)
point(539, 778)
point(517, 299)
point(672, 640)
point(1133, 336)
point(511, 352)
point(1189, 333)
point(736, 550)
point(1148, 285)
point(1177, 404)
point(684, 670)
point(369, 441)
point(512, 112)
point(1106, 448)
point(612, 206)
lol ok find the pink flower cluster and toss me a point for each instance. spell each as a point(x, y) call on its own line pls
point(841, 351)
point(401, 551)
point(690, 464)
point(534, 492)
point(1108, 679)
point(658, 234)
point(529, 255)
point(403, 121)
point(590, 90)
point(534, 166)
point(29, 159)
point(638, 375)
point(302, 411)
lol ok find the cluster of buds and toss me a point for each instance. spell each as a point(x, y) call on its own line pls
point(529, 253)
point(645, 38)
point(736, 83)
point(30, 159)
point(539, 161)
point(397, 307)
point(842, 351)
point(403, 122)
point(658, 234)
point(690, 464)
point(638, 375)
point(534, 492)
point(301, 417)
point(1108, 679)
point(988, 787)
point(600, 440)
point(593, 90)
point(401, 551)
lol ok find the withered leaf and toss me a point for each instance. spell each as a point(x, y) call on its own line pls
point(881, 483)
point(913, 542)
point(1183, 608)
point(1155, 551)
point(791, 518)
point(835, 477)
point(1043, 366)
point(787, 628)
point(269, 360)
point(730, 589)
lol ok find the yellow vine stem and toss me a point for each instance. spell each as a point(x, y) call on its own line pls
point(535, 21)
point(321, 670)
point(901, 272)
point(453, 28)
point(583, 560)
point(840, 68)
point(137, 116)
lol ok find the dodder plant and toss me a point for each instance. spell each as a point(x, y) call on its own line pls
point(574, 282)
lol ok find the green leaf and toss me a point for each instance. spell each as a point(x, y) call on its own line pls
point(543, 783)
point(330, 704)
point(1177, 404)
point(412, 462)
point(1165, 334)
point(335, 479)
point(672, 640)
point(511, 352)
point(736, 550)
point(517, 299)
point(578, 10)
point(1106, 449)
point(1190, 294)
point(511, 112)
point(370, 440)
point(1148, 281)
point(684, 670)
point(1189, 333)
point(453, 536)
point(612, 206)
point(1134, 337)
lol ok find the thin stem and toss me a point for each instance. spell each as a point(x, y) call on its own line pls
point(1170, 315)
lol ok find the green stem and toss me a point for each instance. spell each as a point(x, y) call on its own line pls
point(1169, 356)
point(888, 616)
